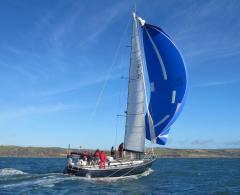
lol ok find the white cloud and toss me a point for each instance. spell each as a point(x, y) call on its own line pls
point(30, 110)
point(216, 83)
point(78, 86)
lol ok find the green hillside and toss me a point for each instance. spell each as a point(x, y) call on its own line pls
point(16, 151)
point(198, 153)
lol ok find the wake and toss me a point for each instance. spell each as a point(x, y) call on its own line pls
point(10, 172)
point(49, 180)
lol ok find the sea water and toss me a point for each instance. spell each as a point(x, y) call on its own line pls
point(167, 176)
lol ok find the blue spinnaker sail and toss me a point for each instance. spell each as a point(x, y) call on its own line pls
point(167, 79)
point(163, 137)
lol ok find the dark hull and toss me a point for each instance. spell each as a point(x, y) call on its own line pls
point(112, 172)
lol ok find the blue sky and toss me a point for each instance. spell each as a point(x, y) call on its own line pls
point(61, 63)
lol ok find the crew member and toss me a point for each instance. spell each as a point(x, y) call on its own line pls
point(120, 150)
point(85, 155)
point(97, 155)
point(102, 159)
point(70, 162)
point(112, 152)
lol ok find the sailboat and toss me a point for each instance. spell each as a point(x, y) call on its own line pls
point(155, 99)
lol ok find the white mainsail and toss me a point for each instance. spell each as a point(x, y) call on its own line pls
point(135, 123)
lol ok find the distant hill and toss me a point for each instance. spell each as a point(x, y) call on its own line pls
point(198, 153)
point(16, 151)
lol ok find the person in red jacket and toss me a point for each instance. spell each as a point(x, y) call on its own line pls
point(102, 159)
point(96, 156)
point(120, 150)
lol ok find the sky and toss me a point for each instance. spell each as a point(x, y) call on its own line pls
point(62, 61)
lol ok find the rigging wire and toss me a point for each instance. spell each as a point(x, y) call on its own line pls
point(120, 102)
point(117, 123)
point(106, 79)
point(119, 108)
point(147, 101)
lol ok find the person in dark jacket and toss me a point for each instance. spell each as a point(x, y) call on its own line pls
point(120, 150)
point(112, 152)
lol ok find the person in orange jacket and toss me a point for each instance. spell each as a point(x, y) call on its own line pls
point(102, 159)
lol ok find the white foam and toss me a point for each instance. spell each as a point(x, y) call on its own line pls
point(47, 180)
point(11, 172)
point(147, 172)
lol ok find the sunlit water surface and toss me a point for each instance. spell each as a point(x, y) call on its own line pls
point(167, 176)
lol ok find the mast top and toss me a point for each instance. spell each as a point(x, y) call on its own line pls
point(135, 17)
point(134, 11)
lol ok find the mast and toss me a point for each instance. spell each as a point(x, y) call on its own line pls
point(134, 140)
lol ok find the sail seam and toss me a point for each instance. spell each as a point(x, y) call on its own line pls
point(135, 79)
point(162, 121)
point(136, 114)
point(138, 91)
point(158, 56)
point(136, 102)
point(136, 126)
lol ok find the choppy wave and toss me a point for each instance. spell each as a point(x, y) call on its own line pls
point(36, 180)
point(11, 172)
point(43, 176)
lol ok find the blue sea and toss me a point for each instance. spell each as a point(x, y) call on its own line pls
point(167, 176)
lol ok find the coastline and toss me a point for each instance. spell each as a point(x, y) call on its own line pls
point(57, 152)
